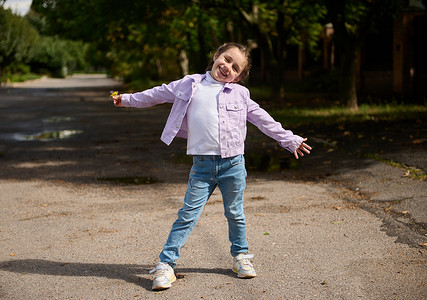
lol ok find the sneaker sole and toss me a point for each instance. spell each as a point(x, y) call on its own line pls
point(243, 276)
point(164, 286)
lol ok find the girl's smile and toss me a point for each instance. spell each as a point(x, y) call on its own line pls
point(228, 65)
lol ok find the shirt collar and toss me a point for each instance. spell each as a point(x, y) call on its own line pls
point(197, 78)
point(210, 79)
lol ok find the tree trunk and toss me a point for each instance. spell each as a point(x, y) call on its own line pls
point(281, 53)
point(1, 75)
point(347, 44)
point(277, 78)
point(183, 62)
point(274, 48)
point(348, 88)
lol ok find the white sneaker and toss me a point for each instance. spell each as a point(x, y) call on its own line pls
point(163, 276)
point(243, 267)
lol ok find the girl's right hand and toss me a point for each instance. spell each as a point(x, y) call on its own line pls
point(117, 100)
point(304, 147)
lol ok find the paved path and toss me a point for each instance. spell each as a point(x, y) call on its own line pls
point(73, 81)
point(88, 194)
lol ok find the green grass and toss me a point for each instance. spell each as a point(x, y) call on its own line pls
point(24, 77)
point(335, 115)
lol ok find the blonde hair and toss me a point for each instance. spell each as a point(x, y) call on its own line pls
point(245, 51)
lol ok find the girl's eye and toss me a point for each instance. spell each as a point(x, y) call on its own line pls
point(235, 69)
point(226, 59)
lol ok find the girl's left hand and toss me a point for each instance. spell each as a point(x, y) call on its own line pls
point(304, 147)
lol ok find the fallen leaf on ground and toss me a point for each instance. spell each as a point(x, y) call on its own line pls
point(418, 141)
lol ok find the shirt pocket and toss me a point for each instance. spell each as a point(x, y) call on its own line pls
point(183, 95)
point(235, 113)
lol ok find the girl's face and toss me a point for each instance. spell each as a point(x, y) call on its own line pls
point(228, 65)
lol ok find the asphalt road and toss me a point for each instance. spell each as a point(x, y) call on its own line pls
point(88, 193)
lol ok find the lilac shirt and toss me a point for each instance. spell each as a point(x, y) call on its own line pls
point(234, 108)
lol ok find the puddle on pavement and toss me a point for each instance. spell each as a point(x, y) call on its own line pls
point(129, 180)
point(51, 134)
point(48, 135)
point(57, 119)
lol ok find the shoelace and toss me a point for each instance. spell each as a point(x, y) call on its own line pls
point(246, 259)
point(162, 270)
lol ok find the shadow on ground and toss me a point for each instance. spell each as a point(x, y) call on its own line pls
point(132, 273)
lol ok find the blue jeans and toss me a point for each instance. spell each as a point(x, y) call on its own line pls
point(208, 172)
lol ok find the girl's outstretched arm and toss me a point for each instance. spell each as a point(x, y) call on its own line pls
point(304, 147)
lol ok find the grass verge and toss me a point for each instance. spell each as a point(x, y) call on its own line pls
point(337, 115)
point(411, 172)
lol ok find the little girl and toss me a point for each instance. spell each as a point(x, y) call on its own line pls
point(211, 111)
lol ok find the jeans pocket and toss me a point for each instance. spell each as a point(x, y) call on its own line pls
point(237, 160)
point(196, 159)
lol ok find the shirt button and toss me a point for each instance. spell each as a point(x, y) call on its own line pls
point(177, 126)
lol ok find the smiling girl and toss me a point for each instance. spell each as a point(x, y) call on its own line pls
point(211, 110)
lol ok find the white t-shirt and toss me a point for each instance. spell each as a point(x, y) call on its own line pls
point(202, 119)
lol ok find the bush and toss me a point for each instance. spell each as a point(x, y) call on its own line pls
point(58, 57)
point(17, 40)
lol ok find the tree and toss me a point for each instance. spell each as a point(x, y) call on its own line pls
point(278, 24)
point(17, 39)
point(353, 20)
point(136, 35)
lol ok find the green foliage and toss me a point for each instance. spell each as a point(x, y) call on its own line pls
point(276, 25)
point(19, 72)
point(50, 56)
point(338, 114)
point(59, 57)
point(139, 34)
point(296, 22)
point(21, 46)
point(150, 39)
point(17, 40)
